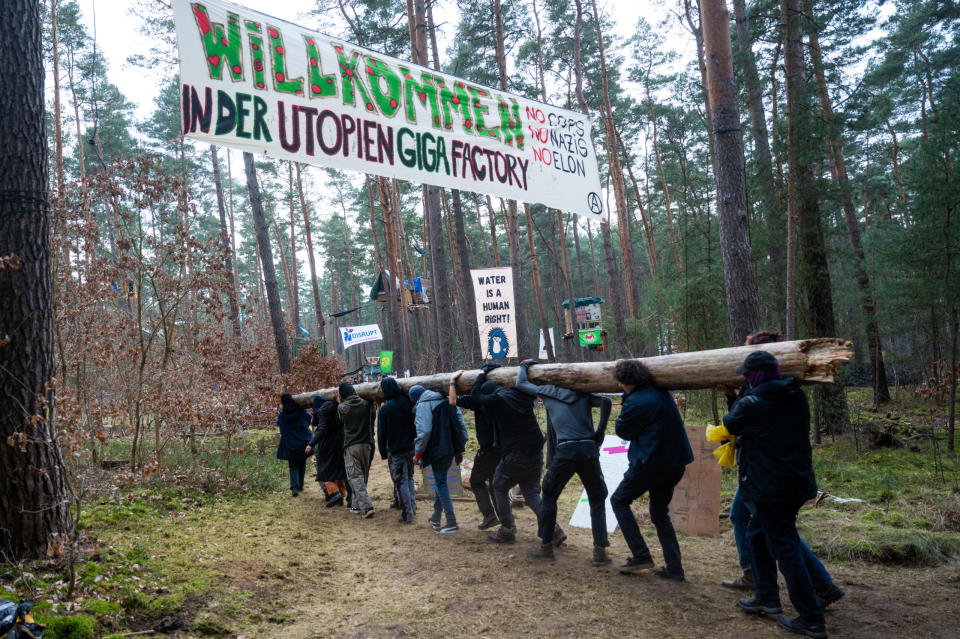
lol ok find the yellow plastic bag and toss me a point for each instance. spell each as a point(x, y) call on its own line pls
point(726, 456)
point(718, 434)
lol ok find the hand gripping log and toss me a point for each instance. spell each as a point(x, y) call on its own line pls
point(811, 361)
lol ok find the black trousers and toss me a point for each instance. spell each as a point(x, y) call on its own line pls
point(481, 478)
point(518, 468)
point(582, 458)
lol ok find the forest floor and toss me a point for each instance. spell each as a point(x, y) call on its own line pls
point(173, 560)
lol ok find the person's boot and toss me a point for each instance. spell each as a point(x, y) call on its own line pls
point(335, 500)
point(600, 557)
point(829, 594)
point(558, 536)
point(635, 565)
point(434, 521)
point(543, 551)
point(756, 607)
point(816, 630)
point(489, 521)
point(503, 536)
point(743, 582)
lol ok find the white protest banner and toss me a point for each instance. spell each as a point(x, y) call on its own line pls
point(263, 85)
point(613, 463)
point(543, 345)
point(493, 289)
point(352, 335)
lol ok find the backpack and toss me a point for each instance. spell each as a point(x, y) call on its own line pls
point(445, 438)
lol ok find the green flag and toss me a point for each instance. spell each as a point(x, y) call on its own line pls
point(386, 362)
point(590, 338)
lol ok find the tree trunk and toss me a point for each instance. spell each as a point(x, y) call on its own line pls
point(535, 268)
point(795, 87)
point(838, 170)
point(830, 407)
point(314, 285)
point(513, 221)
point(613, 275)
point(813, 361)
point(625, 234)
point(266, 262)
point(34, 506)
point(772, 213)
point(283, 263)
point(463, 279)
point(225, 242)
point(743, 311)
point(294, 281)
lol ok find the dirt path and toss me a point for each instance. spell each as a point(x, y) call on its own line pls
point(302, 570)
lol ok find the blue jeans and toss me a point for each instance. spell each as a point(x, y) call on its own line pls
point(775, 543)
point(298, 468)
point(660, 484)
point(401, 471)
point(740, 518)
point(442, 500)
point(815, 568)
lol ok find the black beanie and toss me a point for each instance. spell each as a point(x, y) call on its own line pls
point(346, 390)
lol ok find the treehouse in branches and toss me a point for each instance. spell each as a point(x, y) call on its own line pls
point(588, 323)
point(415, 294)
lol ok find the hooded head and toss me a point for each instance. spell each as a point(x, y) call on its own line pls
point(759, 367)
point(346, 390)
point(489, 387)
point(390, 388)
point(415, 393)
point(288, 403)
point(318, 401)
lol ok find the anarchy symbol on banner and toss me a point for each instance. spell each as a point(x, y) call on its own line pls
point(595, 203)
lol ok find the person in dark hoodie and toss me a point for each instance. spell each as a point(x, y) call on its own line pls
point(572, 447)
point(772, 424)
point(395, 436)
point(357, 416)
point(488, 454)
point(294, 425)
point(658, 454)
point(441, 437)
point(522, 445)
point(327, 444)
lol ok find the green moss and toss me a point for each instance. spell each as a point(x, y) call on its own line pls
point(6, 594)
point(73, 627)
point(103, 608)
point(135, 601)
point(165, 604)
point(210, 625)
point(90, 571)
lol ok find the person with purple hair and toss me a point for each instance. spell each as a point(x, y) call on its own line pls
point(771, 421)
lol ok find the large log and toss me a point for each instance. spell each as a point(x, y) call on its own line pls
point(811, 361)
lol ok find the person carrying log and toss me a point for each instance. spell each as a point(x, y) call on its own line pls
point(294, 425)
point(441, 438)
point(327, 445)
point(658, 454)
point(395, 437)
point(357, 416)
point(488, 454)
point(522, 462)
point(772, 425)
point(572, 447)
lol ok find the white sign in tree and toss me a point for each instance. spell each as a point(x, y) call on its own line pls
point(352, 335)
point(493, 290)
point(267, 86)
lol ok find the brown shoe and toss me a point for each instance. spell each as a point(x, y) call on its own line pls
point(600, 557)
point(543, 551)
point(743, 582)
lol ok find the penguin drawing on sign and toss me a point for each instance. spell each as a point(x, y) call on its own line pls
point(497, 344)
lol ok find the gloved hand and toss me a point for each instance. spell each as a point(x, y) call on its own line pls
point(529, 362)
point(458, 458)
point(489, 367)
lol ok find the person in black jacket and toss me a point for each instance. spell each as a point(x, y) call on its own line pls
point(488, 454)
point(658, 454)
point(327, 444)
point(522, 444)
point(395, 436)
point(772, 424)
point(572, 447)
point(293, 423)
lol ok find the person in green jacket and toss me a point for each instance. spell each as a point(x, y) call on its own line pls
point(357, 416)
